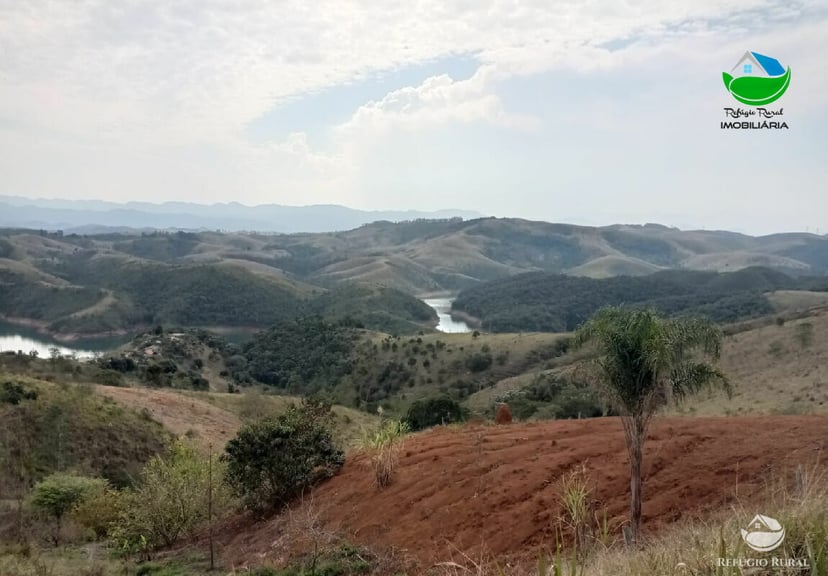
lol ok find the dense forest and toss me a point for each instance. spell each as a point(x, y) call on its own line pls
point(539, 301)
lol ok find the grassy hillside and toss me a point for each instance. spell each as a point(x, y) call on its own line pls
point(68, 427)
point(776, 365)
point(557, 303)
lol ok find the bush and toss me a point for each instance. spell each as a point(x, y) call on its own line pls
point(14, 393)
point(479, 361)
point(99, 512)
point(271, 461)
point(59, 493)
point(171, 502)
point(430, 412)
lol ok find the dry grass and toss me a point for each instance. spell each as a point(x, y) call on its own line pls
point(773, 371)
point(792, 300)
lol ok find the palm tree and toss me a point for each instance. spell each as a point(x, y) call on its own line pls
point(644, 361)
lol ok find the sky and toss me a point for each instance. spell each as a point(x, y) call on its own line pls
point(568, 111)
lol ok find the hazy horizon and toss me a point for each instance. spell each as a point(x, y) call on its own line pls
point(585, 114)
point(437, 213)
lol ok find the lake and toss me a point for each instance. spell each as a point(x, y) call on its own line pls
point(14, 338)
point(446, 323)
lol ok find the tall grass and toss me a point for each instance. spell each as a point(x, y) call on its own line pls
point(383, 447)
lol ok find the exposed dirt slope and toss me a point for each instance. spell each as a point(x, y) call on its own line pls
point(497, 486)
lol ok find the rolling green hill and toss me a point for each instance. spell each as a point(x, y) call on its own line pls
point(124, 282)
point(540, 301)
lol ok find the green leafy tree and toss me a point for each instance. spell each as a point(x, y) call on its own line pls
point(171, 501)
point(433, 412)
point(643, 362)
point(59, 493)
point(272, 460)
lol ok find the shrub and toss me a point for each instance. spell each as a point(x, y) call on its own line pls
point(14, 393)
point(272, 460)
point(479, 361)
point(59, 493)
point(99, 512)
point(433, 412)
point(171, 501)
point(504, 415)
point(383, 447)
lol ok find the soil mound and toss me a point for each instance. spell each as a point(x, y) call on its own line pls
point(496, 487)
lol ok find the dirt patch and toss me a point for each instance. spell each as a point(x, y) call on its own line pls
point(180, 414)
point(496, 487)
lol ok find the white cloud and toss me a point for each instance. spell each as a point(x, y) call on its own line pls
point(151, 98)
point(437, 101)
point(196, 70)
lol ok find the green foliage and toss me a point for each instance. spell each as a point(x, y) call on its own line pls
point(540, 301)
point(479, 361)
point(149, 292)
point(643, 361)
point(59, 493)
point(300, 356)
point(271, 461)
point(69, 427)
point(99, 512)
point(435, 411)
point(24, 298)
point(555, 397)
point(383, 447)
point(14, 393)
point(171, 500)
point(372, 307)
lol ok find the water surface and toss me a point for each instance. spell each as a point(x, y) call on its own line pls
point(446, 323)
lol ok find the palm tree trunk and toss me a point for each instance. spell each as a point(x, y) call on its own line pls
point(635, 488)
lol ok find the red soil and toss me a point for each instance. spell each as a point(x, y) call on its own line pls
point(457, 489)
point(504, 415)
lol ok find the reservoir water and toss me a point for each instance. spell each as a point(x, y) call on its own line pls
point(14, 338)
point(446, 323)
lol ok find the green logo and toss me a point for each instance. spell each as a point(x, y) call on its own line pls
point(757, 80)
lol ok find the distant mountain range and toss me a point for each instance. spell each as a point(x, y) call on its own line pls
point(96, 216)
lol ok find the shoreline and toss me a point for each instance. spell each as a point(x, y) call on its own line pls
point(468, 319)
point(41, 328)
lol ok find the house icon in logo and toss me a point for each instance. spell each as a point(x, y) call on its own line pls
point(763, 534)
point(756, 79)
point(757, 65)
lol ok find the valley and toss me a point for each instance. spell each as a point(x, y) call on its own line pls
point(438, 324)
